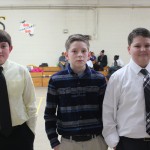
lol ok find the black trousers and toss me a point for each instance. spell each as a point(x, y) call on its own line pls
point(22, 138)
point(133, 144)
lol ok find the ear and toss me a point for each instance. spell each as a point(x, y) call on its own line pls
point(10, 48)
point(89, 55)
point(66, 55)
point(129, 50)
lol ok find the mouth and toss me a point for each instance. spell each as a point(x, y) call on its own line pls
point(79, 60)
point(143, 54)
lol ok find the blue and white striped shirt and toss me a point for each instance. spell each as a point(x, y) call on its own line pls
point(74, 104)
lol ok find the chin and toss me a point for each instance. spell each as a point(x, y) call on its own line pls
point(143, 64)
point(1, 62)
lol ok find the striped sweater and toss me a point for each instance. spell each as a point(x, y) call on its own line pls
point(74, 104)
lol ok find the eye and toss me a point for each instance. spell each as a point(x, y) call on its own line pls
point(84, 51)
point(3, 46)
point(74, 51)
point(147, 46)
point(137, 46)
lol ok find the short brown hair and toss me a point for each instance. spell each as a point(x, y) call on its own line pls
point(76, 37)
point(138, 32)
point(5, 37)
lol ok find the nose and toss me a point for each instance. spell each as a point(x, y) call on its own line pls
point(79, 54)
point(143, 48)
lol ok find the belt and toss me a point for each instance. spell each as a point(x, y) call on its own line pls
point(146, 139)
point(80, 138)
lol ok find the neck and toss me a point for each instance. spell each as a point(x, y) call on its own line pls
point(78, 70)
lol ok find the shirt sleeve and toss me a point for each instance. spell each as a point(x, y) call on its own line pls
point(30, 101)
point(50, 114)
point(109, 113)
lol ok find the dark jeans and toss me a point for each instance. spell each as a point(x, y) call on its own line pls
point(133, 144)
point(22, 138)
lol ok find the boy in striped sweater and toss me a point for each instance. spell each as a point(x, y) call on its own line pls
point(74, 101)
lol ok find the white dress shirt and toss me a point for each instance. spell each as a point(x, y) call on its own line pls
point(21, 94)
point(124, 105)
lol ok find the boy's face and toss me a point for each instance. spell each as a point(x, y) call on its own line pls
point(140, 50)
point(78, 54)
point(5, 49)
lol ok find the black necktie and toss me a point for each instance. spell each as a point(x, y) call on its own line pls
point(146, 86)
point(5, 117)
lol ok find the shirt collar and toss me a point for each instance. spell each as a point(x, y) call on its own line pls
point(87, 71)
point(136, 68)
point(5, 65)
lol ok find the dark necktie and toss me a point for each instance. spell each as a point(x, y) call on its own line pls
point(5, 117)
point(146, 86)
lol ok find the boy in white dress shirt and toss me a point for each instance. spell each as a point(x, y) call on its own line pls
point(20, 95)
point(124, 113)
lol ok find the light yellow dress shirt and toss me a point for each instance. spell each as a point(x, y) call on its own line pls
point(21, 94)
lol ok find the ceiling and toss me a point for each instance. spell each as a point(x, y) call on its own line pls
point(96, 3)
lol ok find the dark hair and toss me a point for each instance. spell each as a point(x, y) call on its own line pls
point(138, 32)
point(76, 37)
point(5, 37)
point(116, 57)
point(102, 51)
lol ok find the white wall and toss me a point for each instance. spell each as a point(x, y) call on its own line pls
point(109, 28)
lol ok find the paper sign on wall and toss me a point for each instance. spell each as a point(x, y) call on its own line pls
point(27, 28)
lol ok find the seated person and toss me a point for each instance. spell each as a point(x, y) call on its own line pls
point(62, 61)
point(102, 60)
point(117, 61)
point(117, 64)
point(93, 57)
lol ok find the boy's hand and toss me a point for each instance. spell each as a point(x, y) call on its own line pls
point(56, 147)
